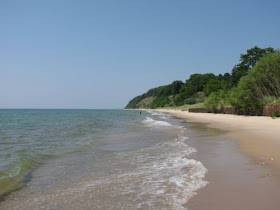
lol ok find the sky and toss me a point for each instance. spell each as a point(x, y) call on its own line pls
point(92, 54)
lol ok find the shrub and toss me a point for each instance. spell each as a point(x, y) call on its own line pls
point(261, 81)
point(190, 101)
point(212, 101)
point(275, 114)
point(160, 101)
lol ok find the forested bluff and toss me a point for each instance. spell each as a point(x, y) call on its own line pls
point(252, 84)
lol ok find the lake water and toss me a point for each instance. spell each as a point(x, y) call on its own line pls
point(95, 159)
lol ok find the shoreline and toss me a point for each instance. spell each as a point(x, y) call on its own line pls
point(258, 136)
point(241, 156)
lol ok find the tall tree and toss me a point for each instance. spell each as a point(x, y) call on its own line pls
point(176, 86)
point(248, 61)
point(262, 81)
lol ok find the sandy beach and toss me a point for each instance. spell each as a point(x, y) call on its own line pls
point(243, 164)
point(258, 136)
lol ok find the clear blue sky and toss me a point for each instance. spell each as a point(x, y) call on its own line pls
point(101, 53)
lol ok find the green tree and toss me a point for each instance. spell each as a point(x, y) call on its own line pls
point(248, 61)
point(160, 101)
point(217, 100)
point(262, 81)
point(196, 83)
point(244, 98)
point(226, 82)
point(265, 76)
point(179, 98)
point(176, 86)
point(212, 101)
point(212, 85)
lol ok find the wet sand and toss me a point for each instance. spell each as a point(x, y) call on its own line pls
point(243, 162)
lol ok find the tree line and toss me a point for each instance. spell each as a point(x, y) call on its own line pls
point(252, 83)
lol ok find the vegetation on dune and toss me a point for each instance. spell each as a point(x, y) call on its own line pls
point(254, 82)
point(259, 85)
point(248, 61)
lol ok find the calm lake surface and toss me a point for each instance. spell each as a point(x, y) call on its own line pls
point(95, 159)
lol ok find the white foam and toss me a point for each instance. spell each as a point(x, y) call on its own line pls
point(163, 117)
point(159, 114)
point(159, 176)
point(168, 178)
point(155, 123)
